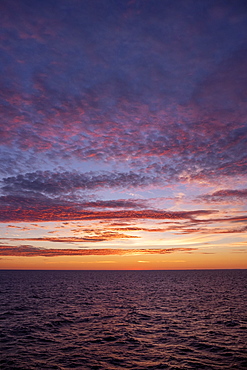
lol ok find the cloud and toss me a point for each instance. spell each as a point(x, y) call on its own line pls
point(187, 227)
point(225, 195)
point(53, 183)
point(99, 236)
point(68, 213)
point(224, 89)
point(166, 93)
point(40, 196)
point(152, 93)
point(213, 230)
point(30, 251)
point(36, 201)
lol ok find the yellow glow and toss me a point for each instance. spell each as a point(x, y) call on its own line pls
point(176, 261)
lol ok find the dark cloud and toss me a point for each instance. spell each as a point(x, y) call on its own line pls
point(55, 183)
point(30, 251)
point(39, 197)
point(56, 213)
point(225, 195)
point(224, 89)
point(97, 237)
point(194, 226)
point(213, 230)
point(37, 201)
point(119, 203)
point(168, 89)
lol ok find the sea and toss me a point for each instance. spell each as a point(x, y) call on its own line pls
point(113, 320)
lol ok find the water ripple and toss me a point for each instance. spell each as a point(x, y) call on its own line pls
point(123, 320)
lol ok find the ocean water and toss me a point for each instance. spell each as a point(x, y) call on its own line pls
point(123, 319)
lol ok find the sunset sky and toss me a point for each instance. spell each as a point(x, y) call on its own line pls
point(123, 134)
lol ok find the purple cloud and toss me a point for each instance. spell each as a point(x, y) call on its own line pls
point(223, 195)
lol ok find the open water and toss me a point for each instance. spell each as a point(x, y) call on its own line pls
point(123, 320)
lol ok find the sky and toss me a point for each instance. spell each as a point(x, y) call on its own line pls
point(123, 134)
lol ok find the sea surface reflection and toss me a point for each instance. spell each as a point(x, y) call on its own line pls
point(123, 319)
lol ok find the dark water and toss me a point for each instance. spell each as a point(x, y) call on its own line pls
point(123, 319)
